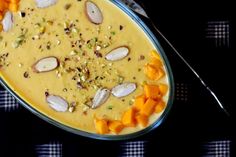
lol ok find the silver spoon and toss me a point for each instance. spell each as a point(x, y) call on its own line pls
point(138, 9)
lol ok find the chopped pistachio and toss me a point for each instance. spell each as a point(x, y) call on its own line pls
point(85, 108)
point(120, 79)
point(113, 33)
point(42, 30)
point(83, 78)
point(98, 47)
point(89, 45)
point(71, 108)
point(58, 42)
point(131, 102)
point(36, 37)
point(75, 30)
point(73, 52)
point(50, 22)
point(65, 24)
point(19, 40)
point(99, 30)
point(48, 46)
point(110, 107)
point(62, 64)
point(95, 87)
point(106, 45)
point(7, 63)
point(58, 73)
point(107, 73)
point(67, 6)
point(20, 65)
point(144, 83)
point(37, 25)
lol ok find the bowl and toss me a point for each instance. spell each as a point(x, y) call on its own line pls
point(141, 24)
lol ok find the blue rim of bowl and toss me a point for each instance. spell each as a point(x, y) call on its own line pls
point(153, 39)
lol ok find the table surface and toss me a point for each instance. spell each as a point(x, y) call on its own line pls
point(204, 35)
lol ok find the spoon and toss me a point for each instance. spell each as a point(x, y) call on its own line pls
point(137, 8)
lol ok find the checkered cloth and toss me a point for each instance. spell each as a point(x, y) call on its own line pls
point(217, 148)
point(218, 32)
point(7, 102)
point(133, 149)
point(51, 149)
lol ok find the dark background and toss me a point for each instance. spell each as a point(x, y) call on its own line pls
point(190, 123)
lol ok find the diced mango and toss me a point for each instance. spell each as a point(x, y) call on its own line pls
point(150, 71)
point(128, 118)
point(115, 126)
point(1, 16)
point(3, 6)
point(160, 73)
point(155, 54)
point(101, 126)
point(142, 120)
point(139, 102)
point(160, 106)
point(13, 7)
point(152, 91)
point(163, 88)
point(14, 1)
point(153, 73)
point(149, 107)
point(156, 63)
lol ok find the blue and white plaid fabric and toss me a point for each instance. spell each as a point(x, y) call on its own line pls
point(7, 102)
point(133, 149)
point(218, 32)
point(51, 149)
point(217, 149)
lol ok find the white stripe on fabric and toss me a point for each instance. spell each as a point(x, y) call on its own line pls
point(219, 32)
point(133, 149)
point(7, 101)
point(217, 149)
point(52, 149)
point(182, 92)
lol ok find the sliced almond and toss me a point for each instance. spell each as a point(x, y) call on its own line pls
point(45, 64)
point(7, 21)
point(93, 12)
point(45, 3)
point(117, 53)
point(123, 89)
point(100, 97)
point(57, 103)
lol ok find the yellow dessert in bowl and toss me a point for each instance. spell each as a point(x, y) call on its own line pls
point(89, 67)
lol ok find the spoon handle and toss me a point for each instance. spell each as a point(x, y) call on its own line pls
point(191, 68)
